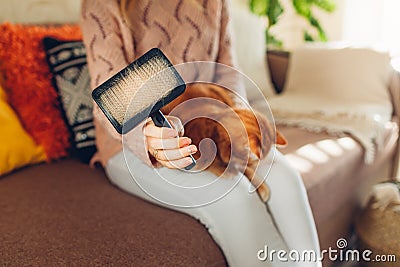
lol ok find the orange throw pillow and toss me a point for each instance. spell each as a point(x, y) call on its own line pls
point(27, 81)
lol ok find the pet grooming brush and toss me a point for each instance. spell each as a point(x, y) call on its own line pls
point(139, 91)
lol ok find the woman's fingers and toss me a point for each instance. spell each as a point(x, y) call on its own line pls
point(170, 143)
point(150, 130)
point(176, 130)
point(174, 154)
point(177, 164)
point(165, 145)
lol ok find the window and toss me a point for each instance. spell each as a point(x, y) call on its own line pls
point(371, 22)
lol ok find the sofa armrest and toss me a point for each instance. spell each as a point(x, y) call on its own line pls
point(278, 62)
point(394, 88)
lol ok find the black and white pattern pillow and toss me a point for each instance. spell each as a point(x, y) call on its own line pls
point(67, 62)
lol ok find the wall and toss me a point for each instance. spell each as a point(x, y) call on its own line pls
point(39, 11)
point(56, 11)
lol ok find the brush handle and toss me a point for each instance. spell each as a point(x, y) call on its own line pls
point(160, 121)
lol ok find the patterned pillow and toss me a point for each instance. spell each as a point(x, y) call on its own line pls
point(67, 62)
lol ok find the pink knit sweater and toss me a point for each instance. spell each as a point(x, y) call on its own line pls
point(185, 30)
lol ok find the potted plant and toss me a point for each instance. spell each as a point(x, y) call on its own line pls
point(273, 9)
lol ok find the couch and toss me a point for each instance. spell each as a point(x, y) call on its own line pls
point(65, 213)
point(339, 187)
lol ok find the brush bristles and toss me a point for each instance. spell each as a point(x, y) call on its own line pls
point(155, 79)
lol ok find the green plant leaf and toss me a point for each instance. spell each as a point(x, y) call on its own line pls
point(321, 33)
point(273, 42)
point(302, 7)
point(326, 5)
point(308, 37)
point(275, 10)
point(259, 7)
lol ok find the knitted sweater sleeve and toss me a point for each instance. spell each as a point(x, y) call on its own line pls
point(226, 56)
point(106, 55)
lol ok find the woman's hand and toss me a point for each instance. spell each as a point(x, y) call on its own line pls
point(167, 145)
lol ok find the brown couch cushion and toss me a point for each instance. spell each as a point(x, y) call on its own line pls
point(65, 214)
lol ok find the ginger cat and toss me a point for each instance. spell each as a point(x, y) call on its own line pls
point(235, 131)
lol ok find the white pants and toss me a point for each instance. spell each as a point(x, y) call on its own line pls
point(239, 222)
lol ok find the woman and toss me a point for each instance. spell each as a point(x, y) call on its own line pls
point(115, 34)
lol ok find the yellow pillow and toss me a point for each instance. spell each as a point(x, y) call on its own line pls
point(17, 148)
